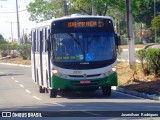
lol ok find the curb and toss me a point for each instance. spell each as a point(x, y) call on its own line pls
point(15, 64)
point(135, 49)
point(4, 58)
point(123, 60)
point(135, 93)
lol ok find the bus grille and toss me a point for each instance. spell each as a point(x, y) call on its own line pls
point(78, 76)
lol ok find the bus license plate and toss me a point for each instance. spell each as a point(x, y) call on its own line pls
point(85, 81)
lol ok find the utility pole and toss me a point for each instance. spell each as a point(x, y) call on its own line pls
point(131, 47)
point(65, 8)
point(18, 26)
point(11, 29)
point(92, 7)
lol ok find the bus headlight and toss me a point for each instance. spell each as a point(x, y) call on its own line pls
point(114, 69)
point(54, 71)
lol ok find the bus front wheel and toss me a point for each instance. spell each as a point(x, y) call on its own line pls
point(106, 90)
point(53, 93)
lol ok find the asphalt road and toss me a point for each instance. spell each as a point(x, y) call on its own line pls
point(19, 93)
point(124, 55)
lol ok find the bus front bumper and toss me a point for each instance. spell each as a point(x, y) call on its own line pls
point(61, 83)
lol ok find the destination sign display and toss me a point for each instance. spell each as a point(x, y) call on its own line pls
point(74, 25)
point(82, 24)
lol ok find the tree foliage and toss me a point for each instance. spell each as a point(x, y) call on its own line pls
point(145, 13)
point(2, 40)
point(100, 6)
point(156, 23)
point(42, 10)
point(1, 37)
point(142, 10)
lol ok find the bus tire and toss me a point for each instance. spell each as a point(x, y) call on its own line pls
point(41, 89)
point(53, 93)
point(106, 90)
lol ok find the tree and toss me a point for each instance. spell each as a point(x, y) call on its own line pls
point(2, 40)
point(1, 37)
point(41, 10)
point(145, 12)
point(156, 26)
point(25, 39)
point(100, 6)
point(156, 23)
point(44, 10)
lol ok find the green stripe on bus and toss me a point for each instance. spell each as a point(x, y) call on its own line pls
point(58, 82)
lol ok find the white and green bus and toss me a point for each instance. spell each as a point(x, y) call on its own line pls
point(75, 53)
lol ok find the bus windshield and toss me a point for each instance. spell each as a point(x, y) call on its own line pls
point(84, 46)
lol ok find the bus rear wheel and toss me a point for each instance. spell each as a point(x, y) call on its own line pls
point(53, 93)
point(106, 90)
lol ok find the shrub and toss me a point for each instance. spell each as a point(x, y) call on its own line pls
point(5, 49)
point(153, 60)
point(8, 49)
point(141, 55)
point(25, 51)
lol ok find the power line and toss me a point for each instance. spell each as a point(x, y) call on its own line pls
point(14, 11)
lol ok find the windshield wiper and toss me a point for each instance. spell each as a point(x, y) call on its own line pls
point(75, 40)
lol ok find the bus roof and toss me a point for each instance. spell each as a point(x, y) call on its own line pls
point(73, 16)
point(42, 24)
point(83, 16)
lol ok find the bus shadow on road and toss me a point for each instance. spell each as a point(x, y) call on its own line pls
point(10, 74)
point(82, 95)
point(14, 74)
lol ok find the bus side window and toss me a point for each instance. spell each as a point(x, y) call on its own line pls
point(36, 41)
point(49, 40)
point(41, 41)
point(45, 39)
point(33, 40)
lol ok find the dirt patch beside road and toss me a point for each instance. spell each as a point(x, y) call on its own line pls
point(136, 46)
point(136, 81)
point(17, 60)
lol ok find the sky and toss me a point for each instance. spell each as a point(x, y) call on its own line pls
point(8, 16)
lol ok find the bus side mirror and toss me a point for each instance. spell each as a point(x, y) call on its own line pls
point(117, 40)
point(47, 45)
